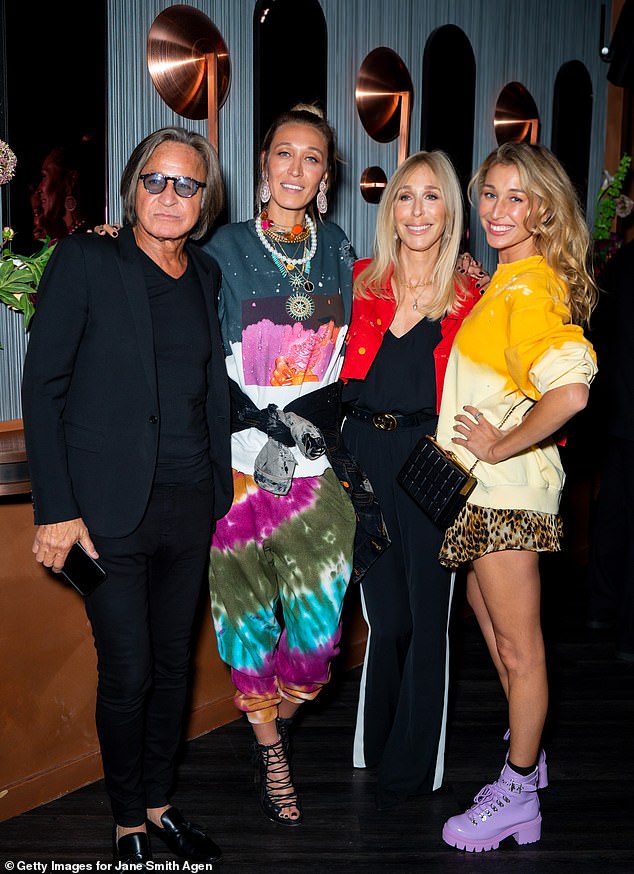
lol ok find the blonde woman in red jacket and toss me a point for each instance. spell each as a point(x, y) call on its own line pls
point(409, 302)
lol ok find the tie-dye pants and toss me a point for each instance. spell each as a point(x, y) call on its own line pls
point(279, 571)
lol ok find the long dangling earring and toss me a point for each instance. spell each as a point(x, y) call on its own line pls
point(322, 200)
point(265, 191)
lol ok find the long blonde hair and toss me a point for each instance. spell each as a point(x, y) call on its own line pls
point(372, 282)
point(560, 233)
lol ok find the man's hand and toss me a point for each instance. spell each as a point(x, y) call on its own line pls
point(53, 542)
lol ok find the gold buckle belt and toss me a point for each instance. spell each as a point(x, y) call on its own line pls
point(384, 421)
point(390, 421)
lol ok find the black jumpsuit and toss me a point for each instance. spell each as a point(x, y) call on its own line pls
point(406, 594)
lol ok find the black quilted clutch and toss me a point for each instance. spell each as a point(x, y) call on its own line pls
point(437, 481)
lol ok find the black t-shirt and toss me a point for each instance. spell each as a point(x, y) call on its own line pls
point(182, 347)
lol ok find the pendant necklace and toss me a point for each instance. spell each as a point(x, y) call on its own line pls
point(409, 284)
point(300, 305)
point(417, 298)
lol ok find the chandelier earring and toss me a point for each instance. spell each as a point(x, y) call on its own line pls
point(322, 200)
point(265, 191)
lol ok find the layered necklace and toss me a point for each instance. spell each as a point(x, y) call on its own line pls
point(300, 305)
point(411, 286)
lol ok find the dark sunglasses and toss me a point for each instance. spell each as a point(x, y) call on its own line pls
point(184, 186)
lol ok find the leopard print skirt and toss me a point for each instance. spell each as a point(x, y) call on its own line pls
point(480, 530)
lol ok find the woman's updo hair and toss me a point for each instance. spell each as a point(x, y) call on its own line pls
point(313, 116)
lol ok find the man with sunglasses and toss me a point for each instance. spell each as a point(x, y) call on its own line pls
point(126, 417)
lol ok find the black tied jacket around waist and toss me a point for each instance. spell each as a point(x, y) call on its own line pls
point(322, 408)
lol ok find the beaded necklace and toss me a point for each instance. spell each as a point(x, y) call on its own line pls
point(308, 255)
point(76, 226)
point(296, 234)
point(300, 305)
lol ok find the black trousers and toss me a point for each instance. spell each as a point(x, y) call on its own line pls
point(142, 618)
point(402, 710)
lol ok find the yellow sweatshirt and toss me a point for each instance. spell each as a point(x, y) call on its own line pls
point(516, 344)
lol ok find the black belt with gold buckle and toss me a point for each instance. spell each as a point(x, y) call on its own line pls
point(390, 421)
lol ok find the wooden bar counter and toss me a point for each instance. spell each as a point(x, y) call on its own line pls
point(48, 741)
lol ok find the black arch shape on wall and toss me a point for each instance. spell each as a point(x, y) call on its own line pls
point(448, 105)
point(274, 38)
point(572, 123)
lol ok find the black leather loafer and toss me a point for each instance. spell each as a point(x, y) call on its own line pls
point(185, 838)
point(131, 849)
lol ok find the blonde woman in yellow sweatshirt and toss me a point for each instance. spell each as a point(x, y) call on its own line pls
point(519, 369)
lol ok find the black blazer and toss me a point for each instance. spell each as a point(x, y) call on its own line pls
point(89, 393)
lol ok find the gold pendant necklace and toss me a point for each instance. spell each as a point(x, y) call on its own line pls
point(300, 304)
point(411, 285)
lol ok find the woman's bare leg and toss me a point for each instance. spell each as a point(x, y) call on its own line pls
point(476, 602)
point(510, 587)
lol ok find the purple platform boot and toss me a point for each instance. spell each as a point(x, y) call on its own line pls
point(542, 766)
point(509, 806)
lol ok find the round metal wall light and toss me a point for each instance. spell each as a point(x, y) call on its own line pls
point(372, 184)
point(516, 116)
point(189, 64)
point(383, 94)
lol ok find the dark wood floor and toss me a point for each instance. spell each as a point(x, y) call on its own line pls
point(588, 814)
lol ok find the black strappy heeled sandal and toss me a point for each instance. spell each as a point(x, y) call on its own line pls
point(275, 780)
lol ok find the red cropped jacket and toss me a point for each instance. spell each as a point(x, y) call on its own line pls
point(371, 318)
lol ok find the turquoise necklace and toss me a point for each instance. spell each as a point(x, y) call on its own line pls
point(299, 305)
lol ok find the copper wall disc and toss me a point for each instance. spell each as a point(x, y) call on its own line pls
point(178, 43)
point(372, 184)
point(516, 116)
point(382, 81)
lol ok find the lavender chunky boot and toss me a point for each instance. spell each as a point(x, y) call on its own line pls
point(509, 806)
point(542, 766)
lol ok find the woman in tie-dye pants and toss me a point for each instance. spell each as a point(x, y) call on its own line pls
point(288, 555)
point(292, 553)
point(282, 557)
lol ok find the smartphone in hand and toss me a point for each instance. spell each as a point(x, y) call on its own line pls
point(82, 571)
